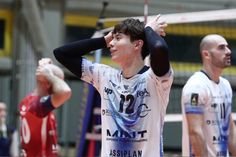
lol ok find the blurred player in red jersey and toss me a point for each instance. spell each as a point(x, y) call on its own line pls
point(38, 123)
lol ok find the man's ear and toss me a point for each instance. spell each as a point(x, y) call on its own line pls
point(205, 54)
point(138, 44)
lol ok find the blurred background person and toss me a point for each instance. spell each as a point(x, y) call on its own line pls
point(38, 128)
point(208, 126)
point(9, 142)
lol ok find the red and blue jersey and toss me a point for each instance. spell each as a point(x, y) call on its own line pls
point(37, 131)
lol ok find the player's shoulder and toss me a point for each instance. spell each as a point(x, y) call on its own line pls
point(24, 104)
point(102, 67)
point(197, 83)
point(108, 71)
point(198, 78)
point(225, 82)
point(25, 100)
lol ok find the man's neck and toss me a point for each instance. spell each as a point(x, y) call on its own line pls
point(213, 73)
point(129, 70)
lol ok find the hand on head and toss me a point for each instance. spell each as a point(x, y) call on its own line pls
point(108, 38)
point(45, 61)
point(157, 25)
point(43, 72)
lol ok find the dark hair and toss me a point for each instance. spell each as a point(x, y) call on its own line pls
point(135, 29)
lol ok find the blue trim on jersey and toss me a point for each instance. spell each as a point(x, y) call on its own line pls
point(194, 112)
point(48, 105)
point(189, 109)
point(45, 106)
point(161, 146)
point(143, 70)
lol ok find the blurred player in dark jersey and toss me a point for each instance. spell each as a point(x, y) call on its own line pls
point(37, 121)
point(133, 99)
point(9, 137)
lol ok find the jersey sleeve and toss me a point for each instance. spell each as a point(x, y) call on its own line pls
point(41, 106)
point(94, 73)
point(162, 85)
point(194, 98)
point(164, 82)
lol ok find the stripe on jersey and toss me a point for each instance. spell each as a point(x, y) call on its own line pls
point(190, 109)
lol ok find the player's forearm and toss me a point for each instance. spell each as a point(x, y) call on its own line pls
point(61, 92)
point(198, 144)
point(70, 55)
point(159, 57)
point(80, 48)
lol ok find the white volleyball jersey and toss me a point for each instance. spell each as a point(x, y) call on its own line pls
point(132, 110)
point(213, 100)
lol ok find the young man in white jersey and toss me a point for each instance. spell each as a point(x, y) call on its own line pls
point(208, 127)
point(133, 99)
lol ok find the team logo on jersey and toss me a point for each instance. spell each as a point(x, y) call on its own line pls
point(143, 93)
point(108, 94)
point(212, 122)
point(214, 105)
point(143, 110)
point(109, 112)
point(23, 110)
point(220, 139)
point(128, 153)
point(214, 108)
point(141, 134)
point(194, 99)
point(108, 90)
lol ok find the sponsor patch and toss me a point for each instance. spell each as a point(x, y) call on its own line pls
point(194, 99)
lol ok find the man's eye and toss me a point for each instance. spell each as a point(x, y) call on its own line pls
point(221, 47)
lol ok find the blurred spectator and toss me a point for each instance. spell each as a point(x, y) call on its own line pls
point(9, 142)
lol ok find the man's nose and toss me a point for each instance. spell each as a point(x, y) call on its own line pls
point(111, 43)
point(228, 51)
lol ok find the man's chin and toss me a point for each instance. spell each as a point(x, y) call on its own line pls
point(227, 65)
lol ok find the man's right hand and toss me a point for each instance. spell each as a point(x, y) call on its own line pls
point(108, 38)
point(45, 61)
point(157, 26)
point(44, 72)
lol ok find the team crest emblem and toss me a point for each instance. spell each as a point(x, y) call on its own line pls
point(194, 99)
